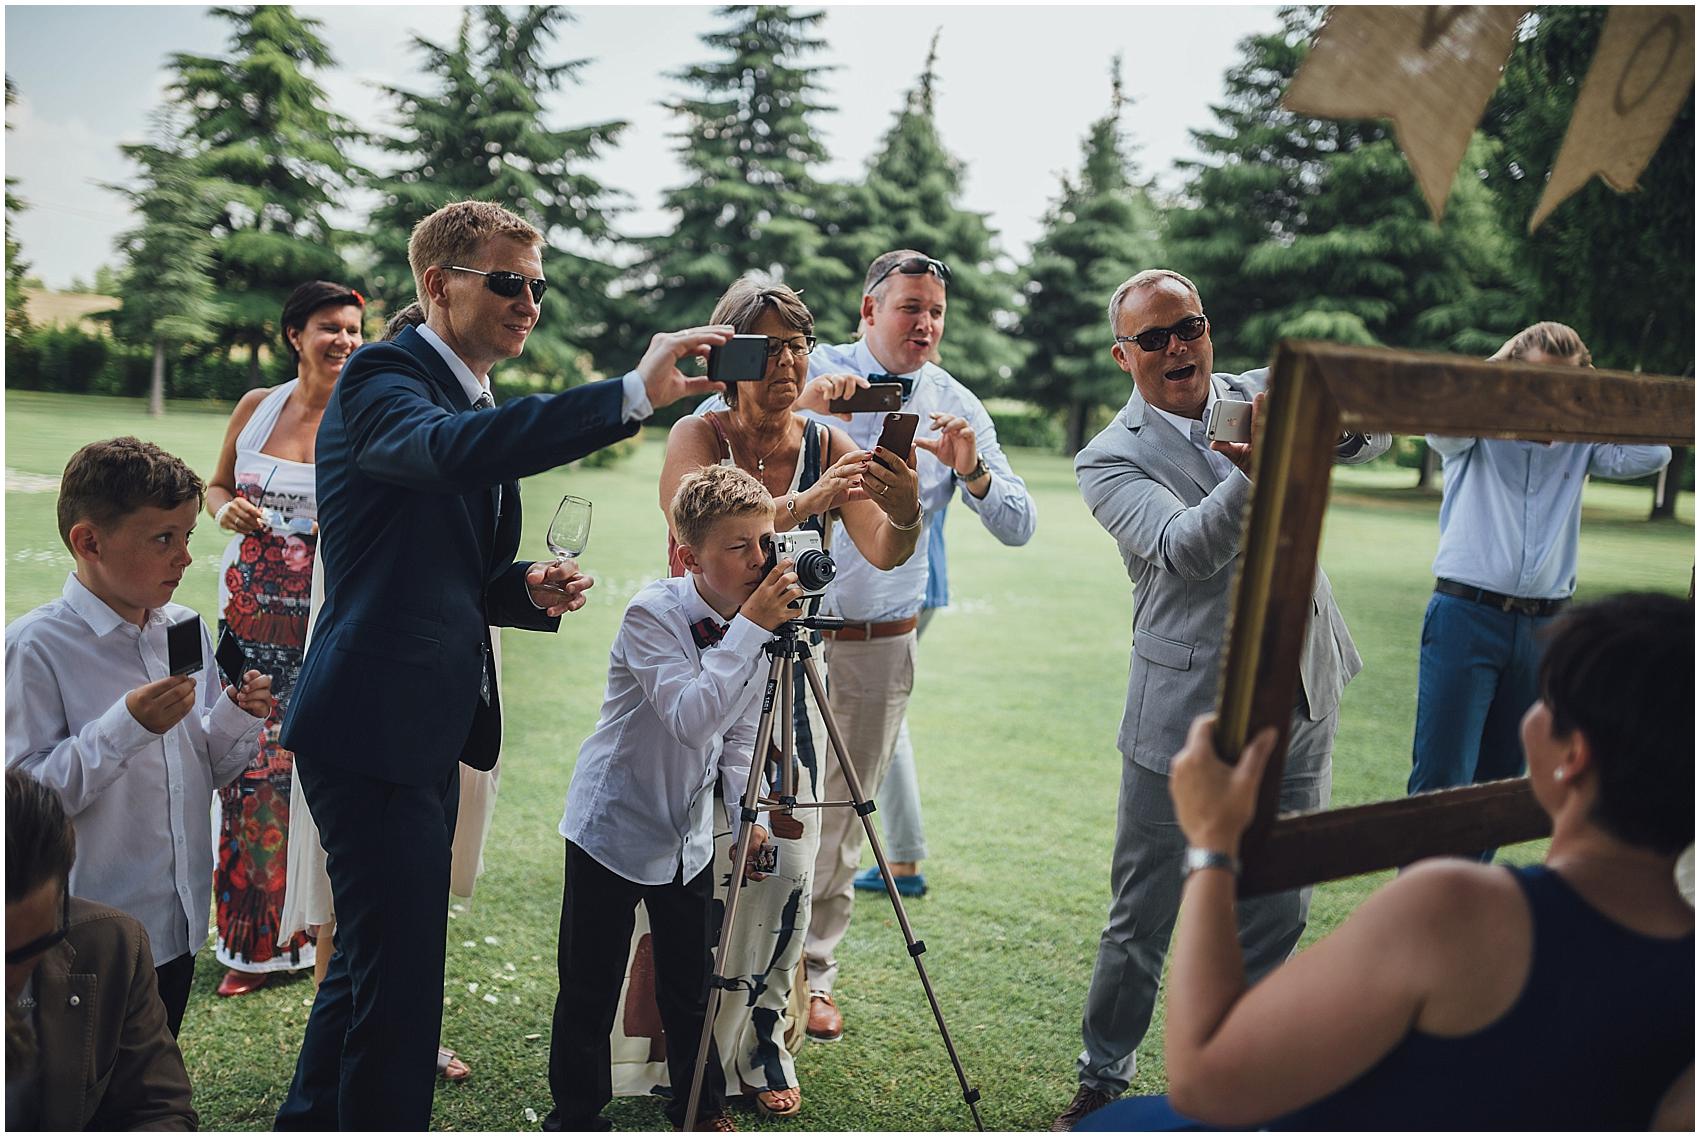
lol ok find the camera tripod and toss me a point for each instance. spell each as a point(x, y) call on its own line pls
point(788, 646)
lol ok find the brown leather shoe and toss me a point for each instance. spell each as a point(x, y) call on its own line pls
point(1086, 1100)
point(825, 1023)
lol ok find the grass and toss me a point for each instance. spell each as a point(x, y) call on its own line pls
point(1016, 704)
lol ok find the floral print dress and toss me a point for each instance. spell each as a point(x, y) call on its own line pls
point(265, 581)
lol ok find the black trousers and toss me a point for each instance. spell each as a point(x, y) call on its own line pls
point(597, 914)
point(369, 1058)
point(175, 978)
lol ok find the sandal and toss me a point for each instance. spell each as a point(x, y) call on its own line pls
point(787, 1102)
point(450, 1068)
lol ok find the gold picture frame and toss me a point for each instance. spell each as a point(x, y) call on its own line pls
point(1316, 390)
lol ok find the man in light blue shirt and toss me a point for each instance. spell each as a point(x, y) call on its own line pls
point(1510, 519)
point(872, 661)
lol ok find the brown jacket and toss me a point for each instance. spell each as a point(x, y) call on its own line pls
point(107, 1060)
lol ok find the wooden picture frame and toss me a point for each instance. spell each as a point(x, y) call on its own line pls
point(1316, 390)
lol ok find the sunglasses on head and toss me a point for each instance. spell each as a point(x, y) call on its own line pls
point(42, 944)
point(508, 284)
point(913, 266)
point(1156, 339)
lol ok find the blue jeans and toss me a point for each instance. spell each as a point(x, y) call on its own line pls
point(1479, 673)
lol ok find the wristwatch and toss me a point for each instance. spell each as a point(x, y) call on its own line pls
point(979, 471)
point(1196, 859)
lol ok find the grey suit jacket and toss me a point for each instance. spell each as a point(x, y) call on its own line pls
point(1179, 534)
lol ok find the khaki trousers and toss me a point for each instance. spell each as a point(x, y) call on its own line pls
point(869, 693)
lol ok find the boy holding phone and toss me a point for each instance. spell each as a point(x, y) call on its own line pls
point(681, 709)
point(94, 711)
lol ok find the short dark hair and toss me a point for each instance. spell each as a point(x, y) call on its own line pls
point(41, 844)
point(1621, 670)
point(409, 317)
point(107, 480)
point(309, 298)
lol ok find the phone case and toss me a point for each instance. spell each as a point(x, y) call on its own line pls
point(742, 360)
point(899, 433)
point(874, 397)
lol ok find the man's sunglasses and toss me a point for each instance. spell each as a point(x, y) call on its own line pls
point(913, 266)
point(42, 944)
point(508, 284)
point(799, 345)
point(1156, 339)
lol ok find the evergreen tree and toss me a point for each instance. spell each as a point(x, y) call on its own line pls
point(258, 123)
point(480, 136)
point(1102, 229)
point(1316, 228)
point(17, 319)
point(166, 289)
point(750, 201)
point(909, 200)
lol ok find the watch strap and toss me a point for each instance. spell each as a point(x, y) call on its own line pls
point(1196, 859)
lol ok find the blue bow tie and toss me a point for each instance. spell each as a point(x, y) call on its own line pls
point(907, 383)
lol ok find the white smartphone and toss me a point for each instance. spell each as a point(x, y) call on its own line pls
point(1230, 421)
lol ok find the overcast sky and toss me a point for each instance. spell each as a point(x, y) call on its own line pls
point(1017, 89)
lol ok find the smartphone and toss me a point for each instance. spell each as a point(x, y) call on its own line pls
point(1230, 421)
point(232, 660)
point(899, 433)
point(873, 397)
point(742, 360)
point(183, 646)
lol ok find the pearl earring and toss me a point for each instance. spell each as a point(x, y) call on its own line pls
point(1558, 774)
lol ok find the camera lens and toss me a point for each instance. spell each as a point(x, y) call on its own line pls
point(815, 569)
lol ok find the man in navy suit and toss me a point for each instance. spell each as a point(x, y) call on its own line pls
point(420, 519)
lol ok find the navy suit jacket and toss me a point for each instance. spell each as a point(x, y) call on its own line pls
point(419, 558)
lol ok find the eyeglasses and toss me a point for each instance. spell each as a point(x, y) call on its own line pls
point(42, 944)
point(913, 266)
point(799, 345)
point(508, 284)
point(1156, 339)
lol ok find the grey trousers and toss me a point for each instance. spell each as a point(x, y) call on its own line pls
point(1145, 881)
point(899, 797)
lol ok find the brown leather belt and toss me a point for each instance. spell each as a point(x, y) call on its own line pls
point(866, 631)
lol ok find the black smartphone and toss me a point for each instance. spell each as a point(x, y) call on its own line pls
point(899, 433)
point(232, 660)
point(183, 646)
point(873, 397)
point(743, 359)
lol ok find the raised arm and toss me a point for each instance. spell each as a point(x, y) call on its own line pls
point(1146, 518)
point(867, 520)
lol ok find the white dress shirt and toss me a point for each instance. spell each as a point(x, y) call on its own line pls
point(674, 717)
point(862, 592)
point(139, 800)
point(1220, 464)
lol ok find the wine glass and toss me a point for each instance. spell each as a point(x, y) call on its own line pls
point(569, 532)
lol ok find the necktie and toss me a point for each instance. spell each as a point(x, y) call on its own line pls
point(707, 632)
point(484, 401)
point(908, 384)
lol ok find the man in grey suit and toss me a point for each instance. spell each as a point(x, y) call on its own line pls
point(1175, 506)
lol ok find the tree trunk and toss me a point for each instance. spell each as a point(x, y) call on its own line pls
point(1669, 485)
point(254, 379)
point(1426, 468)
point(156, 386)
point(1078, 412)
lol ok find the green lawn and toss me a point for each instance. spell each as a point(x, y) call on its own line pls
point(1014, 717)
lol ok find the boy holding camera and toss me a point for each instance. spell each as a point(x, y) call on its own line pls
point(681, 708)
point(134, 746)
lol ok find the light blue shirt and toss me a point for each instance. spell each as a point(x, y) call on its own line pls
point(864, 593)
point(1511, 511)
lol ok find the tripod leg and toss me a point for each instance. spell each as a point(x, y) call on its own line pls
point(863, 807)
point(747, 813)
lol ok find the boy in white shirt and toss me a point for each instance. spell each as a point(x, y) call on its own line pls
point(93, 712)
point(684, 695)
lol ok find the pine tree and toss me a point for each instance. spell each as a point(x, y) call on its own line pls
point(749, 142)
point(17, 318)
point(259, 123)
point(1316, 228)
point(166, 288)
point(1102, 228)
point(480, 136)
point(909, 200)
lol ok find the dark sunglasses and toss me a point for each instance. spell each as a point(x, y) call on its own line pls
point(799, 345)
point(913, 266)
point(508, 284)
point(43, 944)
point(1156, 339)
